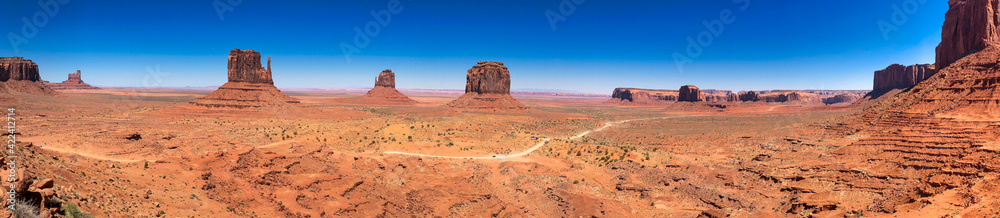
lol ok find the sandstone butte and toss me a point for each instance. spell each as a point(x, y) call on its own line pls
point(969, 27)
point(19, 75)
point(385, 91)
point(900, 77)
point(642, 96)
point(487, 87)
point(249, 87)
point(690, 93)
point(73, 82)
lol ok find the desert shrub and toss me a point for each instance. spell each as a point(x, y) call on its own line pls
point(24, 209)
point(72, 211)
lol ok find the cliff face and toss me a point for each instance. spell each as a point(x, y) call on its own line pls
point(488, 77)
point(19, 75)
point(900, 77)
point(244, 66)
point(969, 26)
point(386, 79)
point(18, 68)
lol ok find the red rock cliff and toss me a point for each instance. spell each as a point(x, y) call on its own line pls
point(690, 93)
point(244, 66)
point(18, 68)
point(488, 77)
point(969, 26)
point(899, 77)
point(386, 79)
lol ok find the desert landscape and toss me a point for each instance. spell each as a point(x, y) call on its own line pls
point(924, 141)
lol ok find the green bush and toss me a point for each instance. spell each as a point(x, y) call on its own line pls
point(72, 211)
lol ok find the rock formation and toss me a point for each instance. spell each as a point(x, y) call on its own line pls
point(842, 98)
point(749, 96)
point(690, 93)
point(900, 77)
point(250, 86)
point(643, 96)
point(969, 26)
point(938, 139)
point(19, 75)
point(487, 87)
point(732, 97)
point(790, 97)
point(73, 82)
point(385, 91)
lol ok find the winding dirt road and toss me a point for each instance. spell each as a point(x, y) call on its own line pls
point(529, 150)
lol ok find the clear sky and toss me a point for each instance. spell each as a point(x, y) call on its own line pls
point(592, 46)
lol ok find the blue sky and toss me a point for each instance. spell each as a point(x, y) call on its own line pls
point(599, 45)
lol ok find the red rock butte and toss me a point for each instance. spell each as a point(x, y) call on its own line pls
point(969, 26)
point(385, 91)
point(73, 82)
point(487, 87)
point(690, 93)
point(19, 75)
point(249, 86)
point(900, 77)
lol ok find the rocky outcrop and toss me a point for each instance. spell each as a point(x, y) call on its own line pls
point(842, 98)
point(488, 77)
point(789, 97)
point(19, 75)
point(900, 77)
point(690, 93)
point(969, 26)
point(386, 79)
point(244, 66)
point(749, 96)
point(642, 96)
point(487, 87)
point(732, 97)
point(73, 82)
point(249, 87)
point(385, 91)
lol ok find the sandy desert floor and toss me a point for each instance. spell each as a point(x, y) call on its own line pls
point(115, 152)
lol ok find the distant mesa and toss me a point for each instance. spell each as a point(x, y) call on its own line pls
point(749, 96)
point(249, 87)
point(385, 91)
point(969, 27)
point(690, 93)
point(643, 96)
point(73, 82)
point(842, 98)
point(19, 75)
point(487, 87)
point(790, 97)
point(900, 77)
